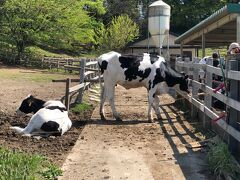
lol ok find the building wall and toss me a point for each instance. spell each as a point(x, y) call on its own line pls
point(174, 50)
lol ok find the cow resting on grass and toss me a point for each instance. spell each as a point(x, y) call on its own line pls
point(132, 71)
point(50, 117)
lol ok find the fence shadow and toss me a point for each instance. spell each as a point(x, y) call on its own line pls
point(114, 122)
point(192, 162)
point(176, 130)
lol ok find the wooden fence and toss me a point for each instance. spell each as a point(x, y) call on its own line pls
point(69, 64)
point(88, 73)
point(229, 119)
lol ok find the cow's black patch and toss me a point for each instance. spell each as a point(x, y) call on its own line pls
point(172, 77)
point(158, 77)
point(149, 84)
point(131, 63)
point(62, 109)
point(103, 66)
point(31, 104)
point(51, 126)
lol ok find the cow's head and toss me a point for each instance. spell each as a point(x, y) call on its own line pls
point(30, 105)
point(183, 84)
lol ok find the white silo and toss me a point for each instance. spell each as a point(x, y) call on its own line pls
point(159, 22)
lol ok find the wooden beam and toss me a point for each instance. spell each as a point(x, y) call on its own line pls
point(211, 27)
point(203, 45)
point(238, 29)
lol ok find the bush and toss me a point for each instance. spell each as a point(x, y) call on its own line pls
point(221, 161)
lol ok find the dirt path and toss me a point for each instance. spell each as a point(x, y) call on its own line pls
point(134, 149)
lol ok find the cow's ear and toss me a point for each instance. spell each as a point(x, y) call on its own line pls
point(186, 77)
point(30, 96)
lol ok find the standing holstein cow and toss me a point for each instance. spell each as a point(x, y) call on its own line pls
point(132, 71)
point(50, 117)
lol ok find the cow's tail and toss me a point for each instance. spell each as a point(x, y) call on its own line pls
point(100, 74)
point(17, 129)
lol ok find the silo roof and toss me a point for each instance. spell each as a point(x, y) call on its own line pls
point(159, 3)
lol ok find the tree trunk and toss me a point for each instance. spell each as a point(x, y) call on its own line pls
point(20, 49)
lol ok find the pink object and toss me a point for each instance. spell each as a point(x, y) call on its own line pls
point(219, 87)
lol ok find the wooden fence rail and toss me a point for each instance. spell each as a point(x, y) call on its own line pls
point(203, 109)
point(88, 75)
point(67, 64)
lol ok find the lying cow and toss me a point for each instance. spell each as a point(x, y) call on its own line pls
point(132, 71)
point(49, 117)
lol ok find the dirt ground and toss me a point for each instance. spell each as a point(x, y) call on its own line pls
point(12, 92)
point(95, 149)
point(135, 149)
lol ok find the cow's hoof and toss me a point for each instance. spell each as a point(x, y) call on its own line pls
point(151, 121)
point(118, 119)
point(159, 118)
point(103, 117)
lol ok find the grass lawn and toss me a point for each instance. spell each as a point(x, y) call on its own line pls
point(34, 75)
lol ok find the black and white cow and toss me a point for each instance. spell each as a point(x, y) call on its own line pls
point(132, 71)
point(50, 117)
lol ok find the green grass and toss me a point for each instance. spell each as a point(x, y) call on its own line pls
point(23, 75)
point(221, 161)
point(20, 165)
point(38, 52)
point(79, 108)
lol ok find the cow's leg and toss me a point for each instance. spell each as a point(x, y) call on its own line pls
point(34, 124)
point(110, 95)
point(102, 100)
point(156, 107)
point(150, 105)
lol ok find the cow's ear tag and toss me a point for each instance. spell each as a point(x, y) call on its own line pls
point(30, 103)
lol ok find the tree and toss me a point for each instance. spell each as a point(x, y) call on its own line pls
point(187, 13)
point(57, 23)
point(120, 32)
point(116, 8)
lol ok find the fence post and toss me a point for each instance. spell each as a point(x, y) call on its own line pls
point(82, 77)
point(194, 110)
point(233, 114)
point(68, 82)
point(207, 97)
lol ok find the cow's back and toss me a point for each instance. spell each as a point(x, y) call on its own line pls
point(130, 70)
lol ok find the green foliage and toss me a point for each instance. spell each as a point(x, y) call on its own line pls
point(79, 108)
point(51, 172)
point(19, 165)
point(115, 8)
point(120, 32)
point(221, 161)
point(59, 24)
point(208, 51)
